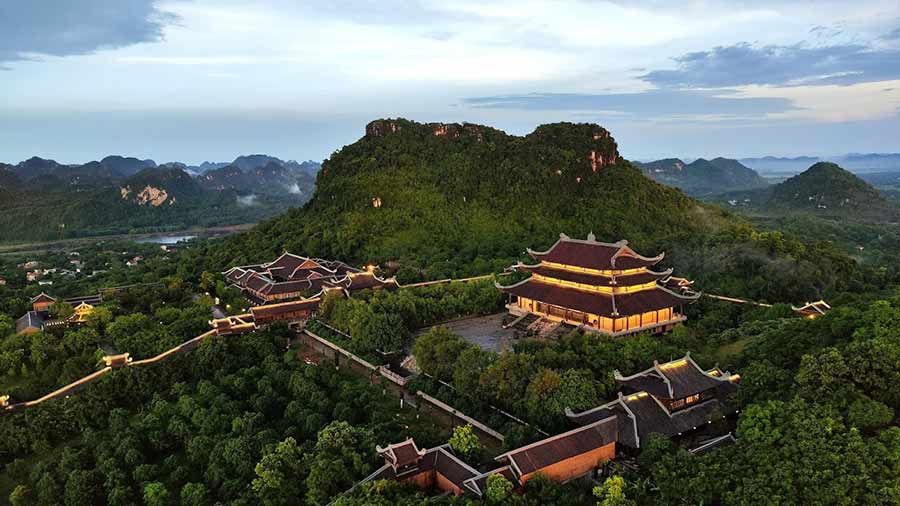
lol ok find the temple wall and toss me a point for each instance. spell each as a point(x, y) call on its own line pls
point(40, 307)
point(445, 485)
point(423, 480)
point(576, 466)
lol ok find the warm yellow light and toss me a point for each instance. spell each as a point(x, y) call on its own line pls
point(677, 363)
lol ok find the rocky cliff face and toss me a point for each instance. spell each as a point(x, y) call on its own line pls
point(385, 127)
point(149, 195)
point(597, 144)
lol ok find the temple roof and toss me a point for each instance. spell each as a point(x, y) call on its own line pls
point(820, 307)
point(602, 304)
point(640, 415)
point(364, 280)
point(287, 263)
point(595, 279)
point(42, 297)
point(552, 450)
point(673, 380)
point(406, 459)
point(592, 254)
point(401, 454)
point(257, 282)
point(443, 461)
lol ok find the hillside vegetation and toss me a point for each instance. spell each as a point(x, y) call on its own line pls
point(44, 200)
point(829, 190)
point(436, 200)
point(704, 177)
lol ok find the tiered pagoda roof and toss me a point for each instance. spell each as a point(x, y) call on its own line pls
point(605, 279)
point(592, 254)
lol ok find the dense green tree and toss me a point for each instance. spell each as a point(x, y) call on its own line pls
point(156, 494)
point(342, 454)
point(612, 492)
point(465, 442)
point(21, 496)
point(276, 483)
point(498, 489)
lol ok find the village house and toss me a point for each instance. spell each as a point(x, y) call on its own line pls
point(600, 287)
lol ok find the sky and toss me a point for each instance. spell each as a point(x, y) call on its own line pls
point(195, 80)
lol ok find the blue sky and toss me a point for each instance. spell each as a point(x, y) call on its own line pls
point(194, 80)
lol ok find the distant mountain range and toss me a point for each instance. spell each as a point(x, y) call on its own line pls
point(856, 162)
point(702, 177)
point(41, 199)
point(824, 189)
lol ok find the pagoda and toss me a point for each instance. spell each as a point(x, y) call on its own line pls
point(602, 287)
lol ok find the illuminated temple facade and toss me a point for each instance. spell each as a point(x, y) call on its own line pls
point(602, 287)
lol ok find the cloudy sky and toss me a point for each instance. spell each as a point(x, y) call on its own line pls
point(194, 80)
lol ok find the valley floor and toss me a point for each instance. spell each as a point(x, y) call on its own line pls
point(40, 247)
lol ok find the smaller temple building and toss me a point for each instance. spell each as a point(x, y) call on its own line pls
point(812, 310)
point(672, 399)
point(39, 318)
point(601, 287)
point(562, 458)
point(436, 469)
point(291, 277)
point(566, 456)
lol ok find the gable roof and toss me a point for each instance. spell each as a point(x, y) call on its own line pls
point(401, 454)
point(819, 307)
point(546, 452)
point(42, 297)
point(641, 414)
point(676, 379)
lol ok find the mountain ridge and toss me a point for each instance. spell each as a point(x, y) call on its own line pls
point(703, 177)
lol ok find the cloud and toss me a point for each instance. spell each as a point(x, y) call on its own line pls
point(246, 200)
point(653, 103)
point(893, 35)
point(747, 64)
point(33, 28)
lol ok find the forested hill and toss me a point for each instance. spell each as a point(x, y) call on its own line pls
point(704, 177)
point(437, 200)
point(44, 200)
point(829, 190)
